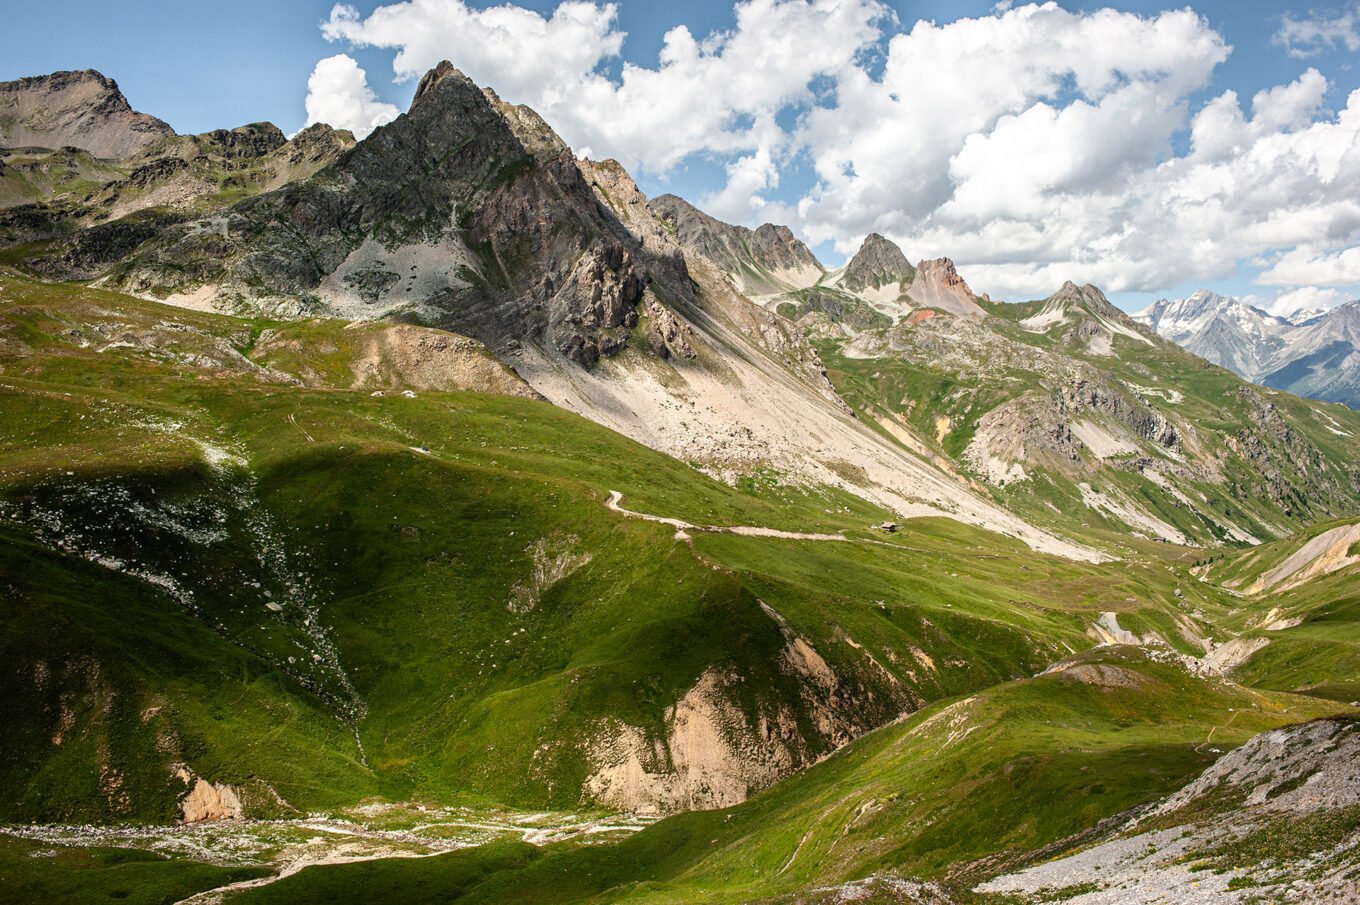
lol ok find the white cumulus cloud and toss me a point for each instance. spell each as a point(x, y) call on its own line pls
point(338, 95)
point(1303, 265)
point(715, 95)
point(1307, 298)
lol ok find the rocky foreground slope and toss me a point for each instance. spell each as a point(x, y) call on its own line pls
point(1276, 820)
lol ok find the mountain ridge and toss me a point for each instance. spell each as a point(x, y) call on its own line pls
point(83, 109)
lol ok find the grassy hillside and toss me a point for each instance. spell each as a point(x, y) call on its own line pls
point(431, 587)
point(226, 552)
point(1115, 439)
point(974, 778)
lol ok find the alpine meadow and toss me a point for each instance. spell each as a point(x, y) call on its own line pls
point(778, 453)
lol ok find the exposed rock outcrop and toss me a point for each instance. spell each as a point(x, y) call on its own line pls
point(476, 205)
point(879, 263)
point(207, 800)
point(763, 261)
point(938, 285)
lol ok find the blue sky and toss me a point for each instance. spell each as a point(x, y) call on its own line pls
point(202, 66)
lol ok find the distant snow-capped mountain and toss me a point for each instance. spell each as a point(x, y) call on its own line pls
point(1314, 353)
point(1220, 329)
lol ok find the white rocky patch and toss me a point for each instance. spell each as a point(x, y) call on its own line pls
point(1131, 515)
point(1100, 440)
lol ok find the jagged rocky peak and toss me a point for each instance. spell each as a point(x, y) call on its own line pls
point(317, 143)
point(532, 130)
point(762, 261)
point(250, 140)
point(83, 109)
point(938, 285)
point(464, 212)
point(1089, 297)
point(1084, 316)
point(1181, 318)
point(430, 80)
point(776, 244)
point(878, 263)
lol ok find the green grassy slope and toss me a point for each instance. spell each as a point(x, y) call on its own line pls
point(218, 555)
point(989, 776)
point(364, 586)
point(1262, 461)
point(31, 872)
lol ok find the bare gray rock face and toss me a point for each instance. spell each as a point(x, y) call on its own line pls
point(81, 109)
point(878, 263)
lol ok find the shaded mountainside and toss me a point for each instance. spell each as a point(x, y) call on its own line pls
point(454, 215)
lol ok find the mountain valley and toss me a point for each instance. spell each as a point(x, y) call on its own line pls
point(434, 517)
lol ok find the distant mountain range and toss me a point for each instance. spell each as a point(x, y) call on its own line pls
point(1312, 353)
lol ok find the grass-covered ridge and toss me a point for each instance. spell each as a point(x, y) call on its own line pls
point(221, 548)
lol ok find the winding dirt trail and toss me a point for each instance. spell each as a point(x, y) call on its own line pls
point(683, 528)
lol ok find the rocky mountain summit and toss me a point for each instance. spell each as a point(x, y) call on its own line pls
point(764, 261)
point(1220, 329)
point(83, 110)
point(93, 180)
point(937, 284)
point(1321, 358)
point(879, 263)
point(462, 213)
